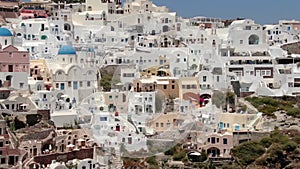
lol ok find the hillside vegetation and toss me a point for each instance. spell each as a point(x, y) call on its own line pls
point(268, 106)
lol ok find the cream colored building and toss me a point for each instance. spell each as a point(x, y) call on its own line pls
point(164, 122)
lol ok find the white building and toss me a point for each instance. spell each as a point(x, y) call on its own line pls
point(69, 77)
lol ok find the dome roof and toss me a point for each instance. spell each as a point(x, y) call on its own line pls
point(66, 50)
point(5, 32)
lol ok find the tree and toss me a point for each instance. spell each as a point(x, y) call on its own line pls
point(218, 98)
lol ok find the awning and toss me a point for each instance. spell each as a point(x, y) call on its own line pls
point(195, 154)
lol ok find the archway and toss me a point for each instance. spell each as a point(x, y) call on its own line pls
point(253, 40)
point(67, 27)
point(153, 32)
point(39, 87)
point(213, 152)
point(9, 77)
point(204, 99)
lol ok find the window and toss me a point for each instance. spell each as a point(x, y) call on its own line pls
point(1, 144)
point(241, 42)
point(213, 140)
point(165, 86)
point(173, 86)
point(161, 124)
point(253, 40)
point(103, 118)
point(88, 83)
point(57, 85)
point(204, 78)
point(157, 125)
point(3, 160)
point(69, 84)
point(62, 86)
point(75, 85)
point(110, 97)
point(168, 124)
point(218, 78)
point(208, 140)
point(80, 84)
point(224, 140)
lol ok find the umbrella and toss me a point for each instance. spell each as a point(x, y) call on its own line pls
point(80, 140)
point(91, 140)
point(70, 145)
point(24, 104)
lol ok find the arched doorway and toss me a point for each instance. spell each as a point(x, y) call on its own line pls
point(153, 32)
point(213, 152)
point(253, 40)
point(67, 27)
point(204, 99)
point(8, 80)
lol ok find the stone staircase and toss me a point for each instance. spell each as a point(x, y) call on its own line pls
point(117, 162)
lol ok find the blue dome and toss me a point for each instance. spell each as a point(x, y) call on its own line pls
point(66, 50)
point(5, 32)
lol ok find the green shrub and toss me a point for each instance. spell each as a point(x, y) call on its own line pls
point(296, 139)
point(248, 152)
point(151, 160)
point(171, 151)
point(266, 142)
point(293, 112)
point(179, 156)
point(290, 146)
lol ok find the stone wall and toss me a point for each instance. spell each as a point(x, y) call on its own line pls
point(239, 137)
point(64, 157)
